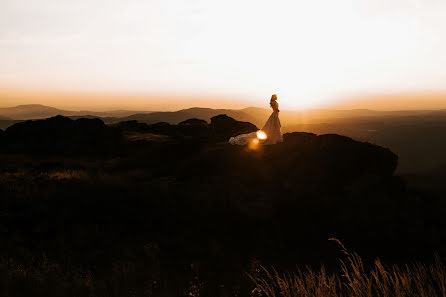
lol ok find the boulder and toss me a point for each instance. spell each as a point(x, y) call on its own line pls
point(62, 135)
point(132, 126)
point(193, 122)
point(196, 129)
point(335, 155)
point(225, 127)
point(162, 128)
point(303, 160)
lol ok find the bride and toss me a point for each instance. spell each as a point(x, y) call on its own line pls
point(270, 133)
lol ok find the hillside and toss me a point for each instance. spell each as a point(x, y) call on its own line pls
point(37, 111)
point(165, 205)
point(31, 111)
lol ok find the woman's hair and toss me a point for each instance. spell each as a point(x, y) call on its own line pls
point(274, 97)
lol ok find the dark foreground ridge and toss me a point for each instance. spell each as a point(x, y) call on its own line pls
point(156, 207)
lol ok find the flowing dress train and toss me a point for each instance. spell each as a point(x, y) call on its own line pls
point(271, 129)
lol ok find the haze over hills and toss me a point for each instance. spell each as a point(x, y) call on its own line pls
point(256, 115)
point(24, 112)
point(38, 111)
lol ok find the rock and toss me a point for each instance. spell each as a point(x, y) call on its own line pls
point(62, 135)
point(306, 172)
point(221, 128)
point(193, 122)
point(162, 128)
point(303, 160)
point(342, 155)
point(226, 127)
point(196, 129)
point(132, 126)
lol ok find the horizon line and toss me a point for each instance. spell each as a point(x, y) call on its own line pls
point(239, 109)
point(112, 101)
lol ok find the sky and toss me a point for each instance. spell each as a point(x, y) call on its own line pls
point(146, 53)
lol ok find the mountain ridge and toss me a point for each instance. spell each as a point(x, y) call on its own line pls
point(256, 115)
point(39, 111)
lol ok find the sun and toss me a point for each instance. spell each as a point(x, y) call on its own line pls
point(261, 135)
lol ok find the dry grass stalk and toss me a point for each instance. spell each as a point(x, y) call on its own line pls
point(416, 280)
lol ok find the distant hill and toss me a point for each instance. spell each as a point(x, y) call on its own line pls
point(37, 111)
point(175, 117)
point(255, 115)
point(8, 123)
point(11, 115)
point(31, 111)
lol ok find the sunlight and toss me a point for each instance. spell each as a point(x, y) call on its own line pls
point(261, 135)
point(310, 52)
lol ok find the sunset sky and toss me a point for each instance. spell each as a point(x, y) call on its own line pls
point(164, 53)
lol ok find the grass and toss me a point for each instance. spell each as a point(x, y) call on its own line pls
point(94, 217)
point(420, 280)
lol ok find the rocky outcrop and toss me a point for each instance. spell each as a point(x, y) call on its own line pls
point(62, 135)
point(131, 126)
point(226, 127)
point(337, 155)
point(277, 199)
point(193, 122)
point(220, 129)
point(302, 158)
point(196, 129)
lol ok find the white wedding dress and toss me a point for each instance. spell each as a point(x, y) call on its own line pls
point(271, 129)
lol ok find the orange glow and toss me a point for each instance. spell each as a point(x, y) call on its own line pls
point(254, 144)
point(103, 101)
point(261, 135)
point(310, 52)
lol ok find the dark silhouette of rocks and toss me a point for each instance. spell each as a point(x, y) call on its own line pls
point(220, 129)
point(193, 122)
point(339, 156)
point(162, 128)
point(62, 135)
point(107, 199)
point(405, 131)
point(196, 129)
point(226, 127)
point(132, 126)
point(2, 137)
point(338, 153)
point(304, 163)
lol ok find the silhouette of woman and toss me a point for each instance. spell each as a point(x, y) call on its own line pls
point(271, 128)
point(272, 125)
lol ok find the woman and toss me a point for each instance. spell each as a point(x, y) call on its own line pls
point(271, 129)
point(272, 125)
